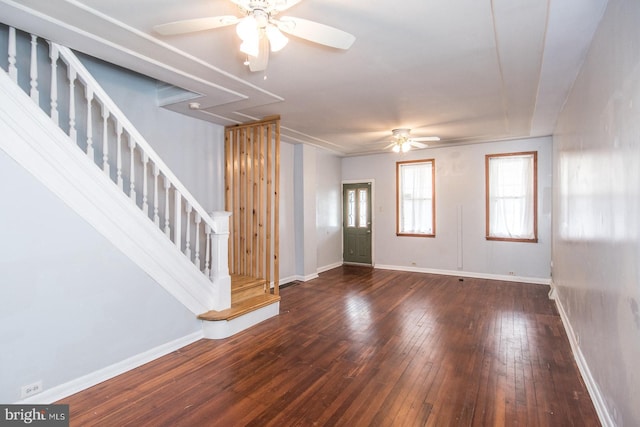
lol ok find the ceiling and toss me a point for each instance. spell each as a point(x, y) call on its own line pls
point(467, 71)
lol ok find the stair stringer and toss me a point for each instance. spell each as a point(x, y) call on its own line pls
point(37, 144)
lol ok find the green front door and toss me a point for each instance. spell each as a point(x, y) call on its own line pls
point(356, 223)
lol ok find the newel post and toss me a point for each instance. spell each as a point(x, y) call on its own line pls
point(220, 259)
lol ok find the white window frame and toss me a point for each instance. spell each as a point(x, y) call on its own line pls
point(406, 194)
point(511, 195)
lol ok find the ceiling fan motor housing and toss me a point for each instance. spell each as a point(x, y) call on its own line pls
point(401, 133)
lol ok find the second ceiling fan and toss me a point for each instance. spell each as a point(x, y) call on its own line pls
point(260, 31)
point(401, 141)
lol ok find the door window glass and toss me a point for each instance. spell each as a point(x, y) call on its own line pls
point(351, 208)
point(363, 220)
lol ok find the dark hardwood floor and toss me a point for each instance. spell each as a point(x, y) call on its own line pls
point(362, 347)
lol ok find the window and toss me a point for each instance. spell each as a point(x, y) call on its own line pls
point(357, 213)
point(511, 196)
point(415, 198)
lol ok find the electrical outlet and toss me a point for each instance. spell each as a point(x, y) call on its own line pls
point(511, 273)
point(31, 389)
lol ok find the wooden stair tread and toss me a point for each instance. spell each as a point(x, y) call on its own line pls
point(242, 307)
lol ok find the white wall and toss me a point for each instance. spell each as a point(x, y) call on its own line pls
point(70, 302)
point(596, 247)
point(310, 211)
point(460, 214)
point(287, 215)
point(328, 194)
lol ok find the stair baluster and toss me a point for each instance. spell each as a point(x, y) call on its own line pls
point(167, 220)
point(105, 141)
point(35, 95)
point(197, 221)
point(187, 244)
point(119, 180)
point(132, 171)
point(145, 167)
point(53, 56)
point(13, 71)
point(156, 203)
point(207, 233)
point(73, 133)
point(89, 98)
point(177, 218)
point(113, 124)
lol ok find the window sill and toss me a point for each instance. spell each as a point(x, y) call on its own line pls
point(507, 239)
point(414, 235)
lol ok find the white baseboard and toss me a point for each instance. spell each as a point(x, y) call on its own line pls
point(289, 279)
point(67, 389)
point(297, 277)
point(504, 278)
point(329, 267)
point(309, 277)
point(592, 385)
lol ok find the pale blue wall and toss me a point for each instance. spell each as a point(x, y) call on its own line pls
point(192, 148)
point(310, 211)
point(596, 246)
point(328, 183)
point(70, 302)
point(288, 252)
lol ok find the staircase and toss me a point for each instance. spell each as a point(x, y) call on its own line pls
point(251, 302)
point(244, 287)
point(78, 143)
point(247, 294)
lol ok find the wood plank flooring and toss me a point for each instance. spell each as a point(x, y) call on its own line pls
point(363, 347)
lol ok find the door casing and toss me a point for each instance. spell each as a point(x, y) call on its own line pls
point(371, 184)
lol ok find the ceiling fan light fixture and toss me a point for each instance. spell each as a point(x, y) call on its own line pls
point(251, 47)
point(406, 146)
point(261, 32)
point(396, 148)
point(277, 40)
point(247, 28)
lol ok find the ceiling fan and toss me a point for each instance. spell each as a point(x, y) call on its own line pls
point(402, 142)
point(260, 30)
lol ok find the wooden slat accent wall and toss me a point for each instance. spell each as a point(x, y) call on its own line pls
point(252, 181)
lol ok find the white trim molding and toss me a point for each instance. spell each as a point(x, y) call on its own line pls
point(329, 267)
point(67, 389)
point(502, 277)
point(583, 366)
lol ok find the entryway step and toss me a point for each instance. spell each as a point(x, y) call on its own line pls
point(240, 308)
point(244, 287)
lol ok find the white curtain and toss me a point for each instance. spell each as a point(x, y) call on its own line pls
point(511, 197)
point(416, 209)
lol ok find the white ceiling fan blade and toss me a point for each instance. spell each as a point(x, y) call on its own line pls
point(425, 138)
point(417, 144)
point(390, 145)
point(260, 62)
point(193, 25)
point(285, 4)
point(316, 32)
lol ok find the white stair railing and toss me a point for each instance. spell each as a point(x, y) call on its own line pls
point(99, 128)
